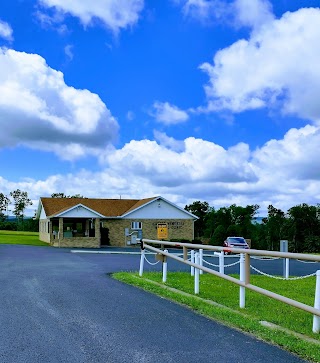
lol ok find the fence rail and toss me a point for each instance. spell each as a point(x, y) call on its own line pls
point(244, 281)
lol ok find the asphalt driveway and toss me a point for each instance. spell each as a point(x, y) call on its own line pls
point(57, 306)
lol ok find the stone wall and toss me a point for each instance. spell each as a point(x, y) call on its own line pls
point(77, 242)
point(177, 229)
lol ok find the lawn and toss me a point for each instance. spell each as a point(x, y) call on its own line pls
point(20, 238)
point(258, 308)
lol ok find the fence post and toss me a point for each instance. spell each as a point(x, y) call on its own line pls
point(201, 259)
point(192, 260)
point(196, 274)
point(185, 253)
point(221, 262)
point(316, 319)
point(164, 268)
point(242, 297)
point(287, 268)
point(141, 262)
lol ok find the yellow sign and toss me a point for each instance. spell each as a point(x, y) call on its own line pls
point(162, 230)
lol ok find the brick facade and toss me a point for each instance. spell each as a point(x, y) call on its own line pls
point(177, 229)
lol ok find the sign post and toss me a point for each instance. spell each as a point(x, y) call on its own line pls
point(162, 230)
point(284, 248)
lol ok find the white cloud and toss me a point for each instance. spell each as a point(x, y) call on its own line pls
point(6, 31)
point(274, 68)
point(167, 141)
point(253, 13)
point(282, 172)
point(114, 14)
point(54, 21)
point(168, 114)
point(130, 115)
point(294, 157)
point(200, 161)
point(205, 10)
point(249, 13)
point(68, 49)
point(50, 115)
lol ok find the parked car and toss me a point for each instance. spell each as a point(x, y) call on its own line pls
point(235, 242)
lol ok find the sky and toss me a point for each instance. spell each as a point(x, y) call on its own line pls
point(209, 100)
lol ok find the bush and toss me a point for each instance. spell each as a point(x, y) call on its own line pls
point(8, 226)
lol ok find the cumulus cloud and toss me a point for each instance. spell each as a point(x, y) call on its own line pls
point(5, 31)
point(199, 161)
point(252, 13)
point(282, 172)
point(168, 114)
point(274, 68)
point(294, 157)
point(49, 114)
point(114, 14)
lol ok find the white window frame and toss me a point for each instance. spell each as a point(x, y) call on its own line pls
point(136, 225)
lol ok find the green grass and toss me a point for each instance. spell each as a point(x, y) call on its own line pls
point(21, 238)
point(258, 307)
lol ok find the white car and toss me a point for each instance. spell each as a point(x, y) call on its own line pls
point(235, 242)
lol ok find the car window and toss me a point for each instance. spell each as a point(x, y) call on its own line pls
point(236, 240)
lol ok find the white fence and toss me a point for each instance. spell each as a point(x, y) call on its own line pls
point(196, 262)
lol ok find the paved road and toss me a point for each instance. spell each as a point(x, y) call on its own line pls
point(57, 306)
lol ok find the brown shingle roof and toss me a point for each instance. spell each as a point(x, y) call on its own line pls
point(106, 207)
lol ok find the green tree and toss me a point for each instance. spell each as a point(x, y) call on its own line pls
point(62, 195)
point(21, 202)
point(275, 227)
point(259, 236)
point(234, 230)
point(303, 226)
point(4, 202)
point(201, 210)
point(219, 235)
point(242, 217)
point(58, 195)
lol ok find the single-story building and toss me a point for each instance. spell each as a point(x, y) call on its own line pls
point(92, 223)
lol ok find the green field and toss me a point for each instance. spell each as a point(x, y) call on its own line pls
point(21, 238)
point(258, 308)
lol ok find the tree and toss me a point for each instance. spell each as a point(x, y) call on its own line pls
point(21, 202)
point(201, 210)
point(62, 195)
point(58, 195)
point(304, 225)
point(4, 202)
point(218, 236)
point(275, 227)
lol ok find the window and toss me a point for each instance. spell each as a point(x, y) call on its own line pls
point(136, 225)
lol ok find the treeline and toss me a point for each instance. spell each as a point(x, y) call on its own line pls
point(300, 225)
point(20, 201)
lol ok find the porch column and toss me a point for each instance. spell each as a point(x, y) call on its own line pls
point(60, 228)
point(97, 232)
point(87, 227)
point(50, 231)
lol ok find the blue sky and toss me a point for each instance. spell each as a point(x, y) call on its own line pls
point(206, 100)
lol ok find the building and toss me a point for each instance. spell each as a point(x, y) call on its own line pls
point(92, 223)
